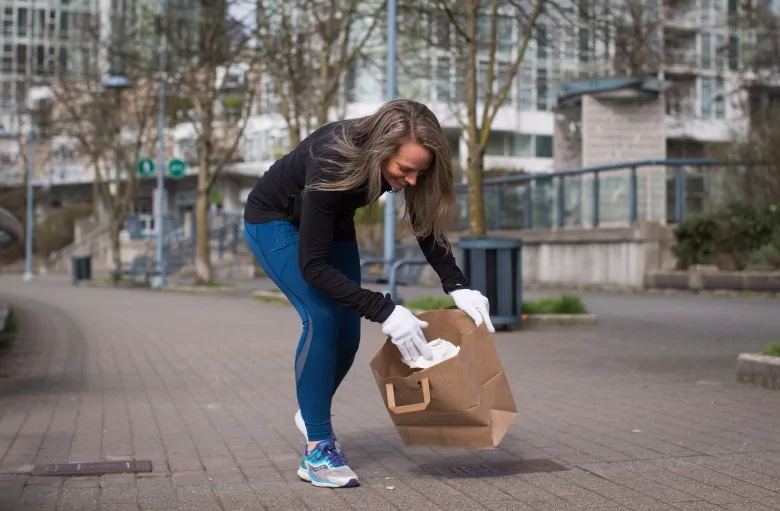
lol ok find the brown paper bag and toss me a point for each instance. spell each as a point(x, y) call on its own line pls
point(463, 402)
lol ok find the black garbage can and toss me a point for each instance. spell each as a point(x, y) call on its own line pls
point(81, 268)
point(494, 267)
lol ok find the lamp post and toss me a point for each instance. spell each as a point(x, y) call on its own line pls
point(116, 81)
point(159, 279)
point(389, 255)
point(28, 236)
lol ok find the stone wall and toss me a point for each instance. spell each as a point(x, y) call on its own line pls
point(616, 257)
point(622, 127)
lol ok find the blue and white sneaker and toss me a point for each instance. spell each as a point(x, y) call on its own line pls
point(326, 467)
point(302, 428)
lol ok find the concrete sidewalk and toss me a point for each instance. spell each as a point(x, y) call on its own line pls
point(203, 386)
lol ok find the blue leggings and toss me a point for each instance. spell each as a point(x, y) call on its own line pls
point(331, 331)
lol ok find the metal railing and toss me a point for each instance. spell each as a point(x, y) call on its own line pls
point(226, 234)
point(610, 195)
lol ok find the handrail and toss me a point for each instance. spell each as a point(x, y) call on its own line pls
point(553, 198)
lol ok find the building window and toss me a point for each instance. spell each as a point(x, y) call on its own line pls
point(525, 87)
point(504, 40)
point(706, 51)
point(541, 89)
point(443, 79)
point(706, 97)
point(541, 42)
point(733, 53)
point(521, 145)
point(496, 145)
point(544, 146)
point(720, 99)
point(508, 143)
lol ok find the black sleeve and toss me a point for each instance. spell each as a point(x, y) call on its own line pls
point(315, 238)
point(442, 260)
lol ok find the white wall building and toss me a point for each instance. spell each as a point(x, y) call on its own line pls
point(698, 59)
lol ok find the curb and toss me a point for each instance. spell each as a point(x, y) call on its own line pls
point(172, 288)
point(528, 320)
point(198, 289)
point(763, 370)
point(269, 297)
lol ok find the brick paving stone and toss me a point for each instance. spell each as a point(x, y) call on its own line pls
point(642, 409)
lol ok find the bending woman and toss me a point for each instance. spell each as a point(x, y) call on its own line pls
point(299, 225)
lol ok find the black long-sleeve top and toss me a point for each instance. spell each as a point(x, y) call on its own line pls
point(326, 216)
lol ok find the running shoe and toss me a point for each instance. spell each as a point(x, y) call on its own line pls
point(325, 467)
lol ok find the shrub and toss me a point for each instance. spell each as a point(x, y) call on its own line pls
point(767, 257)
point(10, 328)
point(773, 349)
point(729, 236)
point(696, 241)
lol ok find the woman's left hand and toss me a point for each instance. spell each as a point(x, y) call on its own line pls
point(475, 304)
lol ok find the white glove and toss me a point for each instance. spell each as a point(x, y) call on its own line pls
point(405, 330)
point(475, 304)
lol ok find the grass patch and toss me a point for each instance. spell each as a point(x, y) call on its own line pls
point(274, 290)
point(7, 334)
point(772, 349)
point(564, 304)
point(429, 303)
point(211, 284)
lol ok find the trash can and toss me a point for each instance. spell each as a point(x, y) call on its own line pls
point(494, 267)
point(81, 268)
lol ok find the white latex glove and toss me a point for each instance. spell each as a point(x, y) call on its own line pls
point(475, 304)
point(405, 330)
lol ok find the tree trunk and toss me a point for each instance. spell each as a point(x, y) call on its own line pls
point(203, 273)
point(116, 246)
point(475, 190)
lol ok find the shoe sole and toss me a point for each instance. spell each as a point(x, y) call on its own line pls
point(304, 475)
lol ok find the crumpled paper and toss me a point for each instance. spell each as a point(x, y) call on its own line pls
point(441, 349)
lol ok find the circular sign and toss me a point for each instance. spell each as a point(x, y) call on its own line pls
point(145, 167)
point(176, 168)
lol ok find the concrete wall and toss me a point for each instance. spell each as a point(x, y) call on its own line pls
point(606, 257)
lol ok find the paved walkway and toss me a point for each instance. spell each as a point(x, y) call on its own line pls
point(641, 408)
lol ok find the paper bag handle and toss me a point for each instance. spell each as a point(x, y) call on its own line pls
point(416, 407)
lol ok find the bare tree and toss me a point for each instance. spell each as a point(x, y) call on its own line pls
point(477, 36)
point(754, 58)
point(309, 49)
point(102, 124)
point(216, 75)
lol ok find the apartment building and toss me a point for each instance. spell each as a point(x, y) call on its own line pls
point(696, 52)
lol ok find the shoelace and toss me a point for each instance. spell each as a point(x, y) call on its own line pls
point(330, 453)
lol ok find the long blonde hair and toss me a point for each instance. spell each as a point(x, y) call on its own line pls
point(366, 143)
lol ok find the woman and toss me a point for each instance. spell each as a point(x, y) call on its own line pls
point(299, 225)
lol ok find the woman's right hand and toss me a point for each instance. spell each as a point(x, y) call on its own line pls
point(405, 330)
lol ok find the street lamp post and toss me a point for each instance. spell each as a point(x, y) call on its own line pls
point(28, 236)
point(159, 279)
point(389, 255)
point(116, 81)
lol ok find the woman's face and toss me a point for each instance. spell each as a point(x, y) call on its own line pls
point(406, 166)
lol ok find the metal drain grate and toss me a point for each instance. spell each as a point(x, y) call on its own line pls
point(92, 469)
point(496, 469)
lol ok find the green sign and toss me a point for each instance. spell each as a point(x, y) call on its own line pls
point(145, 167)
point(176, 168)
